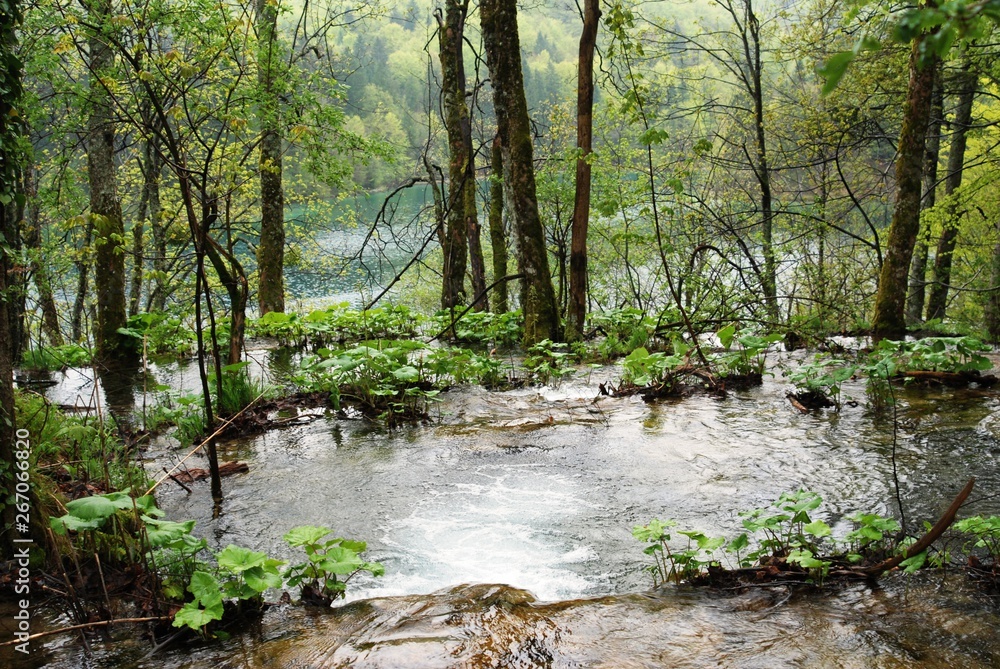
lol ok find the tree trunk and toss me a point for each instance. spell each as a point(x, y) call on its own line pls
point(938, 300)
point(105, 208)
point(762, 170)
point(138, 232)
point(10, 93)
point(918, 267)
point(461, 175)
point(477, 265)
point(8, 420)
point(39, 270)
point(503, 57)
point(888, 321)
point(16, 286)
point(498, 235)
point(577, 311)
point(233, 278)
point(158, 295)
point(82, 282)
point(271, 251)
point(993, 297)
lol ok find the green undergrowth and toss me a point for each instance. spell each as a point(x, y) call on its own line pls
point(78, 449)
point(789, 540)
point(174, 570)
point(396, 380)
point(52, 358)
point(891, 361)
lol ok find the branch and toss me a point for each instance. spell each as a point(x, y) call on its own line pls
point(925, 541)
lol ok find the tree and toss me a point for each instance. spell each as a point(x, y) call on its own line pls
point(968, 81)
point(461, 203)
point(503, 57)
point(10, 162)
point(498, 232)
point(737, 49)
point(105, 207)
point(932, 149)
point(271, 250)
point(39, 268)
point(890, 301)
point(581, 202)
point(931, 31)
point(993, 297)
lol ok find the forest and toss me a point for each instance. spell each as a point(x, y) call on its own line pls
point(226, 226)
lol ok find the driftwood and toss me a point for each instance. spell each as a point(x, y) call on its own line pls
point(807, 401)
point(925, 541)
point(797, 404)
point(196, 473)
point(672, 385)
point(97, 623)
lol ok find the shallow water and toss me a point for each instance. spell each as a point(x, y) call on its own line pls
point(537, 489)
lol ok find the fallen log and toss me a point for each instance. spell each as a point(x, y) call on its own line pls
point(950, 379)
point(196, 473)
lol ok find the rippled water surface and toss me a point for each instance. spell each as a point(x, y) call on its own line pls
point(537, 489)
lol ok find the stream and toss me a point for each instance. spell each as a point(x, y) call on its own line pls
point(504, 527)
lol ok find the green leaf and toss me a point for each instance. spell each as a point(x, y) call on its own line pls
point(235, 367)
point(98, 506)
point(191, 615)
point(833, 70)
point(238, 560)
point(260, 580)
point(161, 532)
point(341, 561)
point(739, 543)
point(273, 318)
point(407, 373)
point(914, 563)
point(356, 546)
point(204, 587)
point(653, 136)
point(375, 568)
point(818, 529)
point(305, 534)
point(147, 505)
point(69, 522)
point(726, 335)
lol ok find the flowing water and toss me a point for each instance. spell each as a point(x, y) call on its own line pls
point(504, 526)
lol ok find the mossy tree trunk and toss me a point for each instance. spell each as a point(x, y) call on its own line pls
point(498, 232)
point(461, 173)
point(888, 321)
point(577, 311)
point(105, 207)
point(8, 424)
point(938, 300)
point(271, 250)
point(503, 57)
point(10, 161)
point(993, 297)
point(918, 266)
